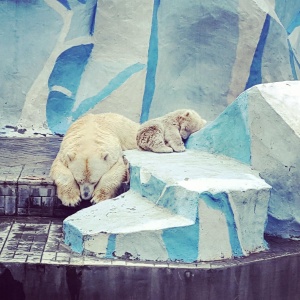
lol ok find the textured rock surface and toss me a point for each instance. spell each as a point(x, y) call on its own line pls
point(262, 128)
point(139, 58)
point(187, 206)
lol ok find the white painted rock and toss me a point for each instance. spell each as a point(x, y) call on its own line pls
point(262, 128)
point(188, 206)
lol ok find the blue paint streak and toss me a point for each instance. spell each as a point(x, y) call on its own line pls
point(229, 134)
point(135, 181)
point(111, 246)
point(114, 84)
point(69, 67)
point(153, 189)
point(255, 76)
point(293, 59)
point(294, 23)
point(73, 237)
point(220, 202)
point(65, 3)
point(67, 73)
point(57, 111)
point(182, 242)
point(93, 18)
point(180, 201)
point(151, 65)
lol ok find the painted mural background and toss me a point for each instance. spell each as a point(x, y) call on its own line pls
point(63, 58)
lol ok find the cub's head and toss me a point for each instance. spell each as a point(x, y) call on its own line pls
point(89, 167)
point(190, 122)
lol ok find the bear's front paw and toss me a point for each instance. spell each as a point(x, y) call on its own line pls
point(177, 146)
point(162, 149)
point(101, 196)
point(69, 197)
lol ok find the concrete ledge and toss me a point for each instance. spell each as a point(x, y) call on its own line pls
point(191, 206)
point(25, 186)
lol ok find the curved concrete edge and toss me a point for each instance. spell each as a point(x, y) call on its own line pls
point(269, 275)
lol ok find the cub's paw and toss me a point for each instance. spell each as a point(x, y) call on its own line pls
point(179, 149)
point(177, 146)
point(164, 149)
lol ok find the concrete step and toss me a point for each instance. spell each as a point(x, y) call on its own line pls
point(36, 264)
point(190, 206)
point(124, 226)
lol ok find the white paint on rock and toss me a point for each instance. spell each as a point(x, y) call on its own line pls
point(214, 237)
point(275, 148)
point(284, 99)
point(126, 99)
point(96, 244)
point(250, 211)
point(127, 213)
point(142, 245)
point(197, 170)
point(250, 26)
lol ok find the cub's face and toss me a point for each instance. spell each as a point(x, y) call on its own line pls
point(88, 170)
point(190, 123)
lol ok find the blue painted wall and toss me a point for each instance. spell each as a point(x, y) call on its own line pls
point(62, 59)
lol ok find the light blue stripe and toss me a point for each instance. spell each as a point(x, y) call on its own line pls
point(73, 237)
point(114, 84)
point(292, 61)
point(111, 246)
point(255, 76)
point(151, 65)
point(221, 202)
point(294, 24)
point(229, 134)
point(182, 242)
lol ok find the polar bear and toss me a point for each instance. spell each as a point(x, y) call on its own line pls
point(165, 134)
point(89, 164)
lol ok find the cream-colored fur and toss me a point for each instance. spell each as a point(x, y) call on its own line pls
point(165, 134)
point(89, 164)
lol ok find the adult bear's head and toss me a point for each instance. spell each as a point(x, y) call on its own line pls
point(89, 165)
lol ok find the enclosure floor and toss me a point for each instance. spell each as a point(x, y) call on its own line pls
point(39, 240)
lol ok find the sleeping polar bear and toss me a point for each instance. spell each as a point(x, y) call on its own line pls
point(90, 164)
point(165, 134)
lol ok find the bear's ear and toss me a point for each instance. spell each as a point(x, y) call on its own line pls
point(68, 157)
point(71, 156)
point(104, 155)
point(187, 114)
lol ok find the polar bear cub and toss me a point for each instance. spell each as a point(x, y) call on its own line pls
point(165, 134)
point(90, 164)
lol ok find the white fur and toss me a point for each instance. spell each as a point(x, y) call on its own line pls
point(89, 164)
point(165, 134)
